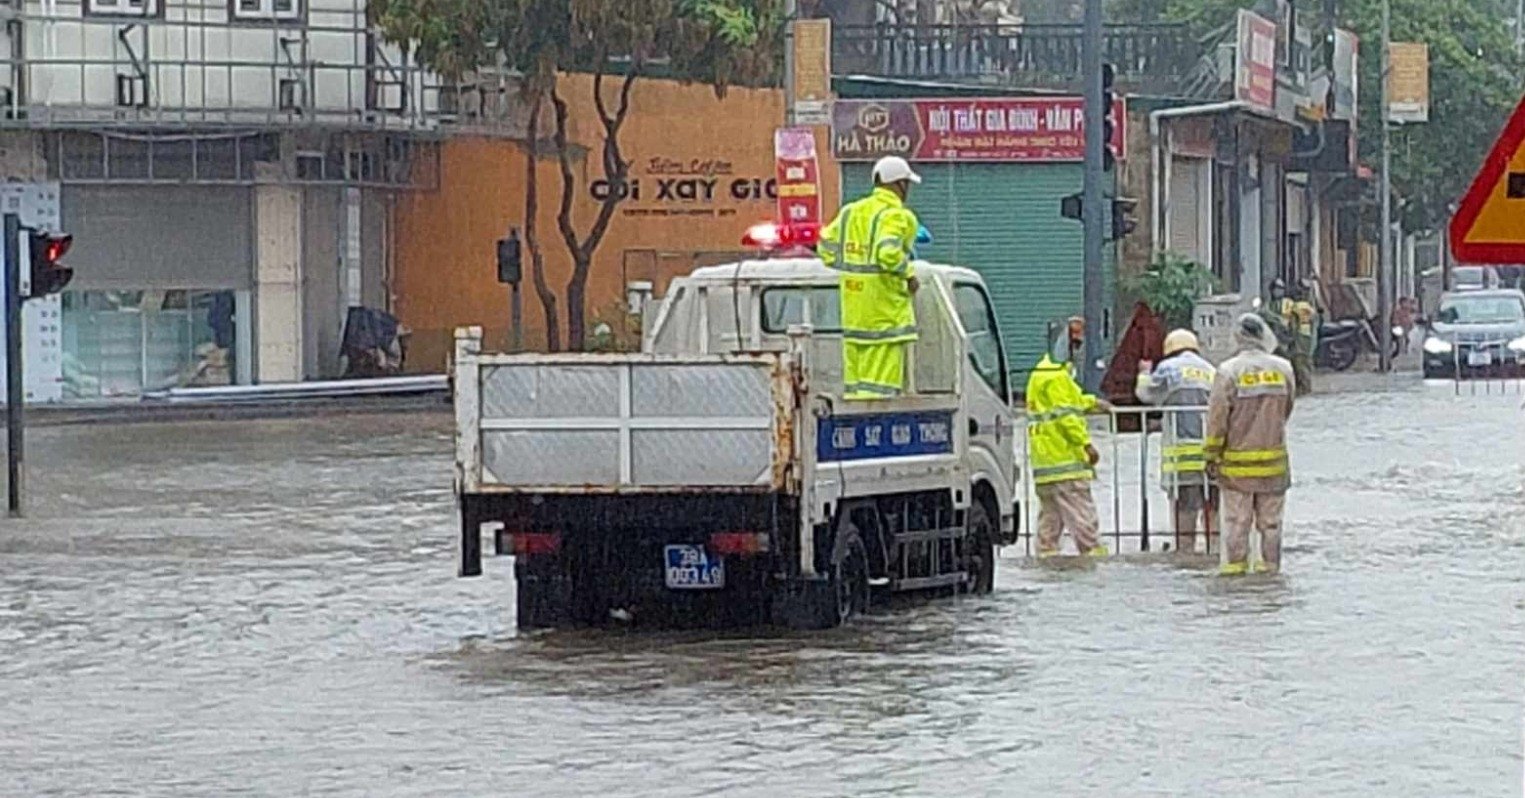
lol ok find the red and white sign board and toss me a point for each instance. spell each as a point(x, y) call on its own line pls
point(1489, 227)
point(799, 180)
point(1255, 61)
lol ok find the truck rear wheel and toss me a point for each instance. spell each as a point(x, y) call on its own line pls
point(849, 576)
point(979, 549)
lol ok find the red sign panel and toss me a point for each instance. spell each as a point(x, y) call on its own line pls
point(1489, 226)
point(1255, 61)
point(1012, 129)
point(799, 183)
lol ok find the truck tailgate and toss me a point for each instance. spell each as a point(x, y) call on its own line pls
point(621, 422)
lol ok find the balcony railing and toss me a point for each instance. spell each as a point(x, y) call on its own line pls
point(1151, 59)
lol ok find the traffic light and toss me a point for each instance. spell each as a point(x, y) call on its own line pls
point(48, 275)
point(510, 259)
point(1109, 120)
point(1072, 206)
point(1123, 221)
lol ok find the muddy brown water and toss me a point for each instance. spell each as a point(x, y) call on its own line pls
point(270, 608)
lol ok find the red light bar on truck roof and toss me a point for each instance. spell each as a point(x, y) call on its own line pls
point(772, 236)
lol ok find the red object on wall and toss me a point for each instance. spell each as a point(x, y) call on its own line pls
point(1143, 340)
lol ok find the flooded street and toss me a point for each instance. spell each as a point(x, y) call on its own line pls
point(271, 608)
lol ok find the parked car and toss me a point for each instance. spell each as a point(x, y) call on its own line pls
point(1473, 278)
point(1476, 333)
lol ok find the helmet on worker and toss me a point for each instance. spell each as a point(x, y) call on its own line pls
point(1252, 332)
point(1181, 341)
point(895, 173)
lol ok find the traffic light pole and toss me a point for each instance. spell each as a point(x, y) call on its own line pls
point(516, 311)
point(1091, 202)
point(15, 419)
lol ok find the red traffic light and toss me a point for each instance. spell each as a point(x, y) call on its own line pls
point(55, 247)
point(48, 276)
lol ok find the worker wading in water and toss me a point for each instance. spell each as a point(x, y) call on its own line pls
point(1059, 442)
point(870, 243)
point(1246, 444)
point(1295, 323)
point(1183, 378)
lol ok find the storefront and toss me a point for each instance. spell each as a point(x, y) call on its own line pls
point(162, 289)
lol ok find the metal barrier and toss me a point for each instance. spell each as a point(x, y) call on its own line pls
point(1112, 473)
point(1488, 373)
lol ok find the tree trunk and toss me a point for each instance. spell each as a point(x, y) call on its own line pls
point(616, 169)
point(531, 233)
point(577, 333)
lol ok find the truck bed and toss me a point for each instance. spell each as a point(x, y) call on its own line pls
point(620, 423)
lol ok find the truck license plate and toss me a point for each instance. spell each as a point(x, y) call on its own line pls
point(1479, 358)
point(692, 568)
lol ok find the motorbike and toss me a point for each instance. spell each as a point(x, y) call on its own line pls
point(1341, 342)
point(374, 344)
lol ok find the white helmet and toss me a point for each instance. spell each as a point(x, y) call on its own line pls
point(1180, 340)
point(893, 169)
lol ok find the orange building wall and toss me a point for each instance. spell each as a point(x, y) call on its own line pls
point(714, 156)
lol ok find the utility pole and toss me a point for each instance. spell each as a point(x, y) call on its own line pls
point(791, 11)
point(15, 420)
point(1092, 204)
point(1385, 267)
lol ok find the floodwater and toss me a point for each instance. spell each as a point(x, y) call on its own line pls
point(270, 608)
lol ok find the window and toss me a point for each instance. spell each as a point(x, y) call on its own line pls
point(123, 8)
point(267, 9)
point(1482, 310)
point(783, 307)
point(978, 320)
point(122, 343)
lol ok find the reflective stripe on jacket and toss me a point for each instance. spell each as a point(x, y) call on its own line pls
point(870, 244)
point(1181, 380)
point(1056, 425)
point(1247, 415)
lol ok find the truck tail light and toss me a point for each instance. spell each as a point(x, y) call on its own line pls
point(529, 544)
point(739, 543)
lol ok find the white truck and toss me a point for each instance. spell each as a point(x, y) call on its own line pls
point(719, 478)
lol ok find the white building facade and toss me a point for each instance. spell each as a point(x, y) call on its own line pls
point(227, 169)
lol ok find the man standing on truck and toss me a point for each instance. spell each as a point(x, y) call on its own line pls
point(1182, 378)
point(1059, 442)
point(870, 243)
point(1246, 445)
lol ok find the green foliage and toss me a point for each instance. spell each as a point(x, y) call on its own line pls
point(1171, 287)
point(1475, 81)
point(718, 42)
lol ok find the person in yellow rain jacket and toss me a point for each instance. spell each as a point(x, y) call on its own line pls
point(870, 243)
point(1246, 444)
point(1063, 460)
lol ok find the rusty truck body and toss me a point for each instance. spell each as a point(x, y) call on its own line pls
point(718, 477)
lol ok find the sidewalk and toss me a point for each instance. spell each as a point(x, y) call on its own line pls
point(164, 412)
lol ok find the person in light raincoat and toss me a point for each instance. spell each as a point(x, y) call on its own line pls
point(870, 243)
point(1246, 445)
point(1063, 459)
point(1183, 378)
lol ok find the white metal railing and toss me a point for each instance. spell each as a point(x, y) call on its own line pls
point(194, 63)
point(1126, 456)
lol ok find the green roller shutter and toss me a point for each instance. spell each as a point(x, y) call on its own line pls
point(1003, 221)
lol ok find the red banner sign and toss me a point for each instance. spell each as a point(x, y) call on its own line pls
point(799, 183)
point(1031, 129)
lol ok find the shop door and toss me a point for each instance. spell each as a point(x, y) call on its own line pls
point(160, 275)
